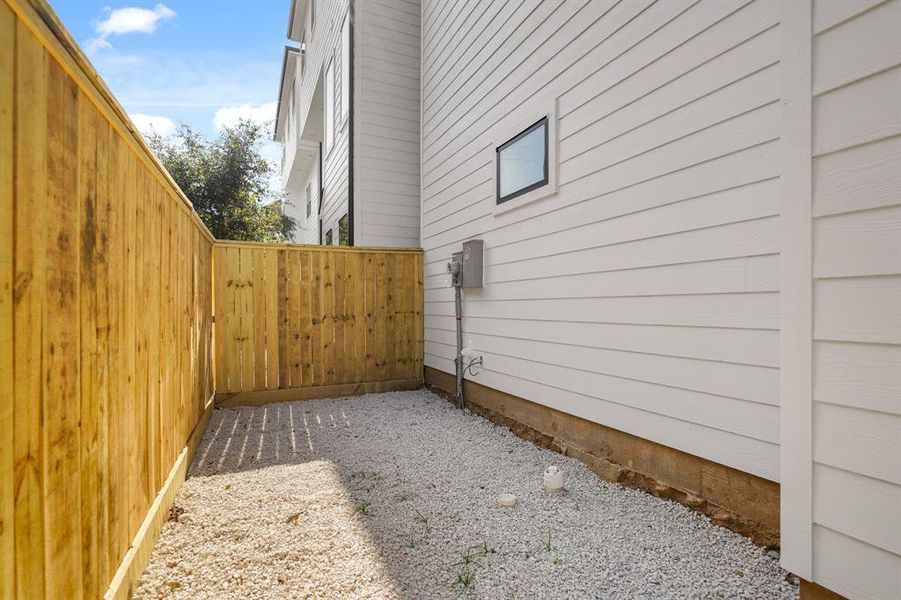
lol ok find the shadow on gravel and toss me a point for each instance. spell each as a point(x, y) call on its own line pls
point(373, 469)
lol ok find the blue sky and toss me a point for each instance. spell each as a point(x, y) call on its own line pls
point(200, 62)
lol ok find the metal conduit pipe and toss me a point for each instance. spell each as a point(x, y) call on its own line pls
point(458, 359)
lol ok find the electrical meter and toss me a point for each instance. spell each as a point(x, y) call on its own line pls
point(455, 268)
point(472, 263)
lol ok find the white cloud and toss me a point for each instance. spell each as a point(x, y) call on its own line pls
point(127, 20)
point(133, 20)
point(96, 44)
point(148, 124)
point(228, 116)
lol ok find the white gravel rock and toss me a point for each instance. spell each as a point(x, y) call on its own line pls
point(394, 496)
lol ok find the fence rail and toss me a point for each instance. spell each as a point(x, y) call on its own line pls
point(290, 317)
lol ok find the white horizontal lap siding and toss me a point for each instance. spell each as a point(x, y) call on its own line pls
point(386, 123)
point(857, 297)
point(335, 178)
point(307, 230)
point(644, 294)
point(323, 46)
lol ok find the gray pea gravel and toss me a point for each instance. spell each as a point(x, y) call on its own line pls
point(394, 496)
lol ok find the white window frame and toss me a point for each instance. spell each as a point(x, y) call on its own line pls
point(516, 122)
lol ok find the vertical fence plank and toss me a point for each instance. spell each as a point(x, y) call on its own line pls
point(219, 313)
point(131, 413)
point(245, 305)
point(86, 202)
point(29, 295)
point(283, 284)
point(317, 314)
point(167, 446)
point(404, 287)
point(258, 307)
point(116, 488)
point(328, 318)
point(141, 357)
point(273, 318)
point(100, 390)
point(391, 305)
point(370, 267)
point(419, 304)
point(382, 325)
point(233, 325)
point(358, 317)
point(62, 497)
point(304, 293)
point(7, 384)
point(295, 290)
point(340, 318)
point(406, 273)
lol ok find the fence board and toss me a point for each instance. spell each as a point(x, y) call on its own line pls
point(258, 308)
point(357, 317)
point(30, 274)
point(86, 198)
point(322, 316)
point(7, 385)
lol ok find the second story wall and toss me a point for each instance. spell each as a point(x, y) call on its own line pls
point(307, 231)
point(386, 122)
point(318, 81)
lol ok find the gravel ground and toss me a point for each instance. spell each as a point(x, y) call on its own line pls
point(394, 495)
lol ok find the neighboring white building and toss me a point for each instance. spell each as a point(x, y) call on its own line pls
point(348, 117)
point(696, 238)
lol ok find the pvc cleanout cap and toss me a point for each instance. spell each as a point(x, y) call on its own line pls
point(506, 500)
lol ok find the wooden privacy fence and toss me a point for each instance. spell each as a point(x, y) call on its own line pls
point(107, 287)
point(105, 324)
point(324, 319)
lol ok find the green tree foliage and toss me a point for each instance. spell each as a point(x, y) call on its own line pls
point(228, 181)
point(343, 232)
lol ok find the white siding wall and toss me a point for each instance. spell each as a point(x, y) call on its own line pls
point(856, 227)
point(335, 164)
point(643, 294)
point(322, 46)
point(386, 122)
point(307, 231)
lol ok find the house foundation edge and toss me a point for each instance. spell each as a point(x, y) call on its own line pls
point(739, 501)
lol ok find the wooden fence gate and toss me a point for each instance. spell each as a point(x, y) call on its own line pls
point(311, 321)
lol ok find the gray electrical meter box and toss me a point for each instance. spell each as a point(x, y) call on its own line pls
point(472, 264)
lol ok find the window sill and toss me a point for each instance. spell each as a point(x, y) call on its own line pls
point(544, 191)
